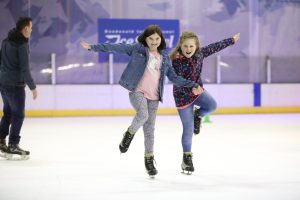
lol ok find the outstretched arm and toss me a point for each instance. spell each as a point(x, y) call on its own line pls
point(108, 47)
point(218, 46)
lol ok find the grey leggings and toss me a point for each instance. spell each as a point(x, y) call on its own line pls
point(145, 116)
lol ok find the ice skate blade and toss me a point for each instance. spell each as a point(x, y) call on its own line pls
point(152, 176)
point(186, 172)
point(17, 157)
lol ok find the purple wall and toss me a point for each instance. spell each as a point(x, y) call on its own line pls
point(268, 28)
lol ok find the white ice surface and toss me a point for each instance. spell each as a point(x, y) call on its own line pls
point(236, 157)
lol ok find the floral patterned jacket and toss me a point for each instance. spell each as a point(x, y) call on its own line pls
point(191, 68)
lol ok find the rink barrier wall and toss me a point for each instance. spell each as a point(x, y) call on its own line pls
point(161, 111)
point(113, 100)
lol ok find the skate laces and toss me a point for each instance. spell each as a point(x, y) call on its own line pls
point(197, 118)
point(13, 148)
point(188, 159)
point(16, 148)
point(150, 162)
point(197, 121)
point(127, 139)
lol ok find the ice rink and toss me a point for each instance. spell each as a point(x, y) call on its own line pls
point(236, 157)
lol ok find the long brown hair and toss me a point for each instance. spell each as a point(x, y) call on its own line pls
point(150, 30)
point(185, 35)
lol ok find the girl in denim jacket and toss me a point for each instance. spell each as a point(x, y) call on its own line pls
point(144, 78)
point(187, 59)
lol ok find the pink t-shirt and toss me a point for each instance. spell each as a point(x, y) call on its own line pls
point(149, 83)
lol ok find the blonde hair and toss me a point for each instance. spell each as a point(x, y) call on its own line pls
point(185, 35)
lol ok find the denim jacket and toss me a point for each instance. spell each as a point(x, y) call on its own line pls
point(137, 64)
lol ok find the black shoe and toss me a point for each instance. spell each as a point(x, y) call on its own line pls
point(187, 163)
point(15, 149)
point(127, 138)
point(197, 121)
point(3, 146)
point(149, 164)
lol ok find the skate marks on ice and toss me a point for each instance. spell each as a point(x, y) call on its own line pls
point(234, 170)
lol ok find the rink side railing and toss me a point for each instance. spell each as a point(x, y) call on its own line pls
point(62, 100)
point(112, 100)
point(219, 65)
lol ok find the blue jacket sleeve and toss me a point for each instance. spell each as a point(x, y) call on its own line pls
point(178, 80)
point(115, 48)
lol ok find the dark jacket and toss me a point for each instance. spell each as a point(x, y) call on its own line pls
point(14, 61)
point(191, 68)
point(139, 56)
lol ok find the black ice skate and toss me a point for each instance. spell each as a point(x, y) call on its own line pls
point(197, 121)
point(3, 148)
point(149, 164)
point(127, 138)
point(16, 153)
point(187, 163)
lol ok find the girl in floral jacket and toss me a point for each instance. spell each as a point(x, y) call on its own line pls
point(187, 60)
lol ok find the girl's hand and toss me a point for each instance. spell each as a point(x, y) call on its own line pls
point(236, 37)
point(197, 91)
point(85, 45)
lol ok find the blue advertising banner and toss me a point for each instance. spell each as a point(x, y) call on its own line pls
point(128, 30)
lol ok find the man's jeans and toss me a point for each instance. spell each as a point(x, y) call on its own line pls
point(13, 112)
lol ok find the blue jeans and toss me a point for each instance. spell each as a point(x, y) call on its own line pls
point(207, 105)
point(13, 112)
